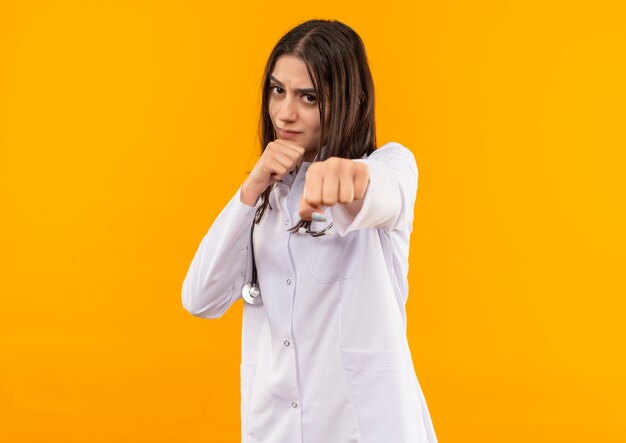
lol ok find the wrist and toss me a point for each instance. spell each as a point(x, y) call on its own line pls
point(248, 196)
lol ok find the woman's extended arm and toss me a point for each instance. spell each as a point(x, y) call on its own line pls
point(390, 196)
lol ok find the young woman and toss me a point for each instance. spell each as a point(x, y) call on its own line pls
point(316, 241)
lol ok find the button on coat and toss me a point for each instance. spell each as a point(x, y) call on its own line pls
point(346, 373)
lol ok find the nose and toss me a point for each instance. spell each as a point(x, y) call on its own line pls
point(288, 111)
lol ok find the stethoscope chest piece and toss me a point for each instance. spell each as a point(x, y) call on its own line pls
point(251, 294)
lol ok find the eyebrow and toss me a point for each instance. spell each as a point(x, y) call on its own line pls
point(302, 90)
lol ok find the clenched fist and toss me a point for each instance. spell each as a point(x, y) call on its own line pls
point(332, 181)
point(278, 158)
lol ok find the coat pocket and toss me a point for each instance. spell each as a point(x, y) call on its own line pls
point(247, 373)
point(333, 257)
point(383, 395)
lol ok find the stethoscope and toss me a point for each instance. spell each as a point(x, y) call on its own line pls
point(251, 293)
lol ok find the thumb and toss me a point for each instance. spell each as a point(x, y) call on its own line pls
point(306, 210)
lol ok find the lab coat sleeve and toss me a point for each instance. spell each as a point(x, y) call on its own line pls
point(390, 196)
point(222, 262)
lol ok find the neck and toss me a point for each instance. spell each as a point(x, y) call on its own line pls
point(309, 156)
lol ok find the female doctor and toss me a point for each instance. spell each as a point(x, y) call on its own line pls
point(316, 241)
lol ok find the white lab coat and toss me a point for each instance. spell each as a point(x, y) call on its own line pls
point(325, 358)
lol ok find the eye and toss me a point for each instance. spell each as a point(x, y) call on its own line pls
point(276, 89)
point(310, 98)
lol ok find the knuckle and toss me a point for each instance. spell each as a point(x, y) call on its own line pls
point(362, 168)
point(313, 169)
point(333, 163)
point(344, 200)
point(329, 197)
point(314, 201)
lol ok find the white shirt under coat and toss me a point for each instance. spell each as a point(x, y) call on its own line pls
point(325, 358)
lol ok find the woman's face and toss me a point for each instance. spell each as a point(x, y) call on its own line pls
point(293, 105)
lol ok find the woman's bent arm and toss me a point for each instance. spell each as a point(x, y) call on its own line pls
point(220, 266)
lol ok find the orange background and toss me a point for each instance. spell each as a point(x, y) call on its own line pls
point(126, 126)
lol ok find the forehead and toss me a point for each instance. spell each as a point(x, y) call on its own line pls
point(292, 72)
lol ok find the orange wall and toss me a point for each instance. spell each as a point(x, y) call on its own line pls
point(125, 126)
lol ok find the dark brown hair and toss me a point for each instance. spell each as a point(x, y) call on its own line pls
point(335, 59)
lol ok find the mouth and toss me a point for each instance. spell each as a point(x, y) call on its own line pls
point(287, 134)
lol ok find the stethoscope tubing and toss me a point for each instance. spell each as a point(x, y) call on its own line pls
point(251, 292)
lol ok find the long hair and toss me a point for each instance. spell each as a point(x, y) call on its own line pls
point(336, 61)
